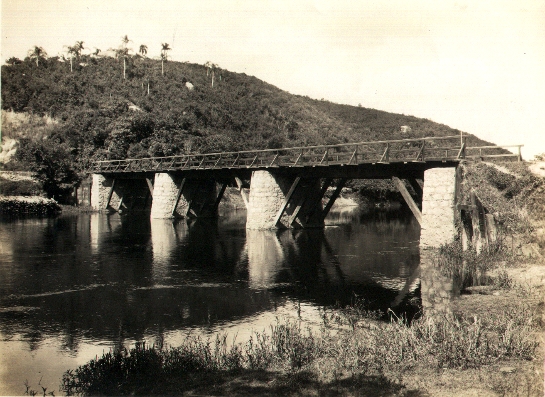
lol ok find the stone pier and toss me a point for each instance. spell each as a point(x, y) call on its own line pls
point(101, 188)
point(174, 196)
point(438, 227)
point(283, 202)
point(438, 207)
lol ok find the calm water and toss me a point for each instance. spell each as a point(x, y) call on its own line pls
point(76, 286)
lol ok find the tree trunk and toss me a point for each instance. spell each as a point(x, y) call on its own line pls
point(162, 67)
point(124, 67)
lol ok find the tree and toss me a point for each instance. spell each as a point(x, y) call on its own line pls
point(165, 48)
point(13, 61)
point(74, 51)
point(53, 163)
point(37, 53)
point(211, 70)
point(71, 53)
point(143, 50)
point(79, 48)
point(123, 52)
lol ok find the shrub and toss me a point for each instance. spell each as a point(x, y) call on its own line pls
point(20, 188)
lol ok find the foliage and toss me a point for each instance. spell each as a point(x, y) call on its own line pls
point(52, 162)
point(17, 205)
point(508, 190)
point(19, 188)
point(469, 268)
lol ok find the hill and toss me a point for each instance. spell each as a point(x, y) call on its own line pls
point(133, 106)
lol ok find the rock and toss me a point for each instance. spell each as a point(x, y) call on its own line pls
point(508, 370)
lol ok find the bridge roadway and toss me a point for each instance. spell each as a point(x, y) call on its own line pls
point(380, 159)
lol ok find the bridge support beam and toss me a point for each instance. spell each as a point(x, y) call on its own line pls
point(174, 196)
point(278, 201)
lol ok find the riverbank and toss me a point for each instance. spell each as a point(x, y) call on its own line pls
point(22, 205)
point(491, 345)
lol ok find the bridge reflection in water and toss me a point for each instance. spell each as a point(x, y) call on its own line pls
point(113, 278)
point(74, 286)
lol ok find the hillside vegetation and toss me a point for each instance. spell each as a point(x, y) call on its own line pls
point(132, 106)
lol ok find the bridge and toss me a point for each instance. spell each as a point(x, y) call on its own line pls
point(289, 187)
point(296, 188)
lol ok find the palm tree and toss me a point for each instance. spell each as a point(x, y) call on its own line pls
point(123, 52)
point(124, 41)
point(72, 51)
point(212, 69)
point(79, 47)
point(37, 53)
point(143, 50)
point(164, 55)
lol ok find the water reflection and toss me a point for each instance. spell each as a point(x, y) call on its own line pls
point(265, 256)
point(94, 278)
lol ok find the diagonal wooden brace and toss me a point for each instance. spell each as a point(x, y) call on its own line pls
point(178, 195)
point(110, 194)
point(408, 199)
point(333, 197)
point(286, 200)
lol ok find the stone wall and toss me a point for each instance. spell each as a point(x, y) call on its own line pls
point(437, 290)
point(165, 190)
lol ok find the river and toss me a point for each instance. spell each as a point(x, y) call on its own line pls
point(76, 286)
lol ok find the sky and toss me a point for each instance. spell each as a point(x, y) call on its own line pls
point(478, 66)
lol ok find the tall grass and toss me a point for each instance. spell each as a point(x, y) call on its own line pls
point(448, 342)
point(469, 268)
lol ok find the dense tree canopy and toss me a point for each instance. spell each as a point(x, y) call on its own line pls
point(133, 106)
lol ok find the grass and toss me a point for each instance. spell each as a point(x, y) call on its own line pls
point(289, 351)
point(471, 268)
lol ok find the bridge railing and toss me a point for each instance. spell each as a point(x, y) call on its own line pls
point(402, 150)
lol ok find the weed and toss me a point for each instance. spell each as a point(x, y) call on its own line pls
point(469, 268)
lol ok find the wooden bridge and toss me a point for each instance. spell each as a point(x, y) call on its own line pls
point(420, 150)
point(296, 188)
point(289, 187)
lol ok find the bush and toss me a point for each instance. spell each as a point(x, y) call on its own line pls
point(20, 188)
point(18, 205)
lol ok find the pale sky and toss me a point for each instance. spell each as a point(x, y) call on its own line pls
point(478, 65)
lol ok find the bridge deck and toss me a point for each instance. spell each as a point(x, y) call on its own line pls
point(422, 150)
